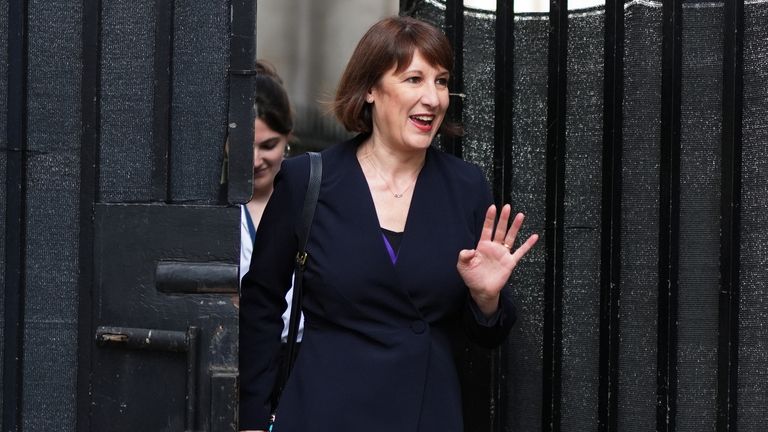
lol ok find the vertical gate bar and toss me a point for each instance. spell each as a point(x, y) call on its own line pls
point(504, 102)
point(15, 223)
point(669, 215)
point(241, 115)
point(730, 208)
point(90, 124)
point(502, 166)
point(610, 260)
point(555, 193)
point(454, 29)
point(161, 119)
point(192, 342)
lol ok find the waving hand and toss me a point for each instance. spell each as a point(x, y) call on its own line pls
point(487, 268)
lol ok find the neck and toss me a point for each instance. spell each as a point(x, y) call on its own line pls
point(390, 162)
point(260, 196)
point(256, 206)
point(396, 171)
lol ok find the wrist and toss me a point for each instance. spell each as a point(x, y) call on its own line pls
point(488, 305)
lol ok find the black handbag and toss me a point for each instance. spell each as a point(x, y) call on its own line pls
point(307, 214)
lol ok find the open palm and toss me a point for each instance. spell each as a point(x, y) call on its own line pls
point(487, 268)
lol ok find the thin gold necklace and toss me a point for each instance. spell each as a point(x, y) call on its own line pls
point(369, 157)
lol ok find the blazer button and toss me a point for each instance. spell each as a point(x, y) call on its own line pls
point(418, 326)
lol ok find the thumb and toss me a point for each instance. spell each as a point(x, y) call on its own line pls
point(466, 255)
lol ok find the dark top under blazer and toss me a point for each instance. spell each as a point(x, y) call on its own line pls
point(376, 353)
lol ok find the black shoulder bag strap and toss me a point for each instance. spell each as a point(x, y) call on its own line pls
point(310, 201)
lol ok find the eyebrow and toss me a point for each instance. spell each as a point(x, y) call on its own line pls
point(409, 71)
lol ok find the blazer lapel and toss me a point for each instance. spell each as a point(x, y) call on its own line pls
point(426, 265)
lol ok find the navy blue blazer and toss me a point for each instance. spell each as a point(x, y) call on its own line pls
point(376, 353)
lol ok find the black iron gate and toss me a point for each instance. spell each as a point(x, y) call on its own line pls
point(164, 323)
point(120, 244)
point(629, 133)
point(158, 324)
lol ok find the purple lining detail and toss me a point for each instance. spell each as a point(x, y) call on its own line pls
point(392, 254)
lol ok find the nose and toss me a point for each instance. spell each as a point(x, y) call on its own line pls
point(256, 157)
point(429, 95)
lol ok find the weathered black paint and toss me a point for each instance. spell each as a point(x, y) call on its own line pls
point(454, 29)
point(504, 99)
point(730, 251)
point(242, 47)
point(669, 215)
point(90, 105)
point(15, 207)
point(554, 231)
point(146, 339)
point(161, 119)
point(183, 277)
point(610, 258)
point(502, 172)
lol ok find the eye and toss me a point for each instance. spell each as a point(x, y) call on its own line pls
point(269, 144)
point(413, 79)
point(442, 82)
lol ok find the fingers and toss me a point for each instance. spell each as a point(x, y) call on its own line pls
point(497, 235)
point(490, 218)
point(501, 227)
point(505, 236)
point(522, 250)
point(511, 234)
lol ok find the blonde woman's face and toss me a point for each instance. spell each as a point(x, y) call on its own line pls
point(268, 150)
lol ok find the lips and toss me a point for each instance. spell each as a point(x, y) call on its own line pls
point(423, 121)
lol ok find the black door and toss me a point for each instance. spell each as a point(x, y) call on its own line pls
point(165, 318)
point(167, 86)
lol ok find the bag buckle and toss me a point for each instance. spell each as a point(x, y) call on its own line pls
point(301, 258)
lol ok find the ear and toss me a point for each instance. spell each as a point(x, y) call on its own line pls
point(369, 96)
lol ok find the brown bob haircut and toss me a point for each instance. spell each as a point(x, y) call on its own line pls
point(389, 43)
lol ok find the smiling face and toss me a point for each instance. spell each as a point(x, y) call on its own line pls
point(268, 150)
point(408, 106)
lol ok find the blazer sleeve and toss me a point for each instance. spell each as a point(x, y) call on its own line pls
point(263, 291)
point(491, 331)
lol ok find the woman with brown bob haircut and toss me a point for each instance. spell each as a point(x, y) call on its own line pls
point(394, 42)
point(405, 253)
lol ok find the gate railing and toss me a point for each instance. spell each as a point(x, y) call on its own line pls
point(676, 227)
